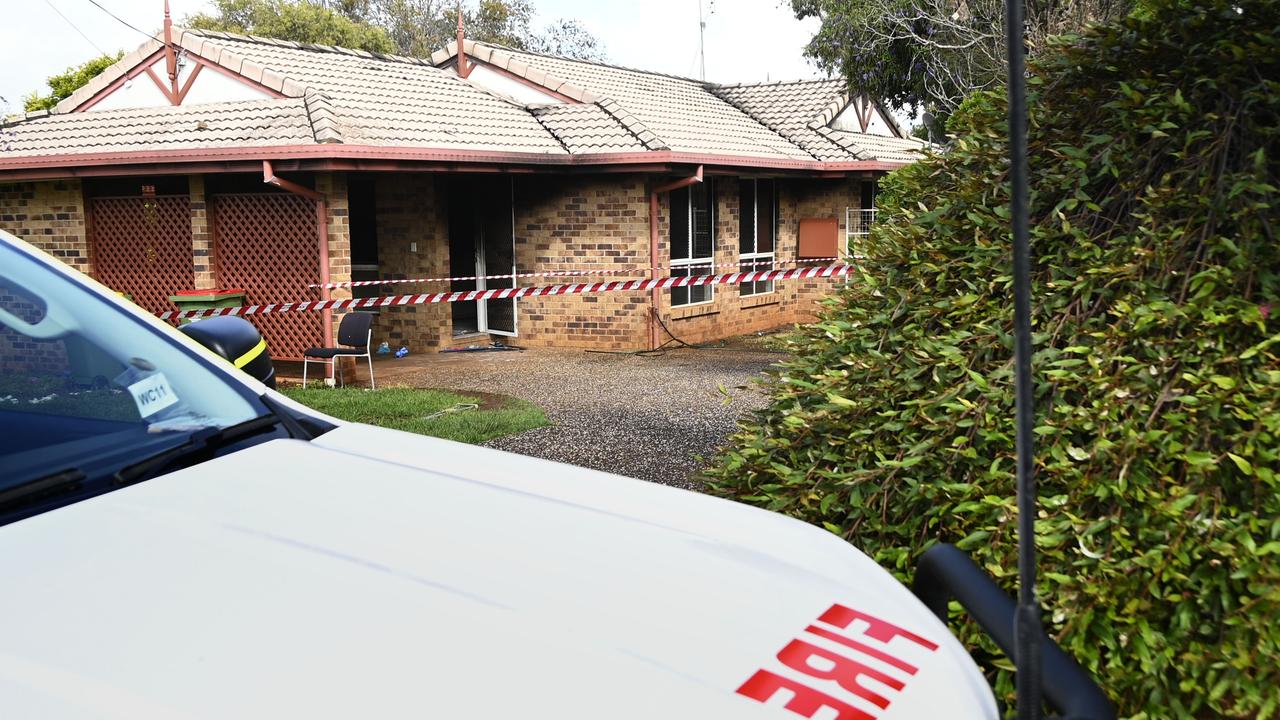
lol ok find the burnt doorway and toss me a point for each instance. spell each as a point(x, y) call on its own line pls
point(482, 242)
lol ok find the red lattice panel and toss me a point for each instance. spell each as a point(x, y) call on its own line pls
point(267, 244)
point(142, 246)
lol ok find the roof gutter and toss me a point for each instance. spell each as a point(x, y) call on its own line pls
point(693, 179)
point(39, 167)
point(322, 233)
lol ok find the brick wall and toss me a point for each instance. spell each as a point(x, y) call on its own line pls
point(413, 208)
point(561, 222)
point(201, 239)
point(24, 356)
point(581, 222)
point(730, 312)
point(334, 187)
point(49, 215)
point(816, 198)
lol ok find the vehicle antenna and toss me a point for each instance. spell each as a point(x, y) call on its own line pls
point(702, 43)
point(1028, 630)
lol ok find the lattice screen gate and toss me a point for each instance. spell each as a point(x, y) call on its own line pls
point(267, 244)
point(142, 246)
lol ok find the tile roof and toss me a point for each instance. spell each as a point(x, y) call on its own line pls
point(247, 123)
point(788, 108)
point(587, 128)
point(392, 100)
point(678, 110)
point(877, 147)
point(337, 96)
point(800, 112)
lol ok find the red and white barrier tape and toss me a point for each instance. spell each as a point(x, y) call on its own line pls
point(530, 291)
point(562, 273)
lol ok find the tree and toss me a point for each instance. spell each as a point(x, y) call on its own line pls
point(420, 27)
point(416, 27)
point(1155, 174)
point(65, 83)
point(295, 20)
point(932, 54)
point(568, 38)
point(503, 22)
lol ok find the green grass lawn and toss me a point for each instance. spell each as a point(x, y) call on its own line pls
point(408, 409)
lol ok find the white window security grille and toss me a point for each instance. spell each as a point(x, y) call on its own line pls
point(692, 241)
point(757, 230)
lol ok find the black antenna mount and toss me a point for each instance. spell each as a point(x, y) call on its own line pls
point(1028, 632)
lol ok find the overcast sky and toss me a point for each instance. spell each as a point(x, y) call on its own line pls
point(746, 40)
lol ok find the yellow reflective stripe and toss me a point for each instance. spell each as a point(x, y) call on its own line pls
point(248, 357)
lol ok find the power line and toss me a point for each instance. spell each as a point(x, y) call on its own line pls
point(73, 27)
point(123, 22)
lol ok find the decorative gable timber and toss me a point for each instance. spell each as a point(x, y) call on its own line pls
point(510, 66)
point(865, 112)
point(231, 78)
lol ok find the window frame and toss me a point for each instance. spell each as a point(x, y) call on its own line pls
point(753, 259)
point(859, 220)
point(684, 267)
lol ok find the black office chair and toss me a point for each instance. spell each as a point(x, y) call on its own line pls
point(355, 334)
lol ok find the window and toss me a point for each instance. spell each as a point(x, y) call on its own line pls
point(757, 228)
point(692, 241)
point(858, 221)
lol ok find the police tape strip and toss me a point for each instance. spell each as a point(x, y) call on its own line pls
point(530, 291)
point(562, 273)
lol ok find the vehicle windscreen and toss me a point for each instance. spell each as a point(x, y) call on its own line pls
point(89, 389)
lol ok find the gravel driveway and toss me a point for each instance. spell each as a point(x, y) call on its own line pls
point(645, 417)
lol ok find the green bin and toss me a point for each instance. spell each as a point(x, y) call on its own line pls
point(207, 299)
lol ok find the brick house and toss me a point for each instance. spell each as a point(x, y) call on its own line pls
point(219, 160)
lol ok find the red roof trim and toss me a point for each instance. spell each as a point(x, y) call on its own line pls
point(522, 80)
point(111, 87)
point(235, 75)
point(145, 66)
point(114, 163)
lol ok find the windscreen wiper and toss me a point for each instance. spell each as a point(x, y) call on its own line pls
point(63, 481)
point(209, 439)
point(204, 441)
point(290, 423)
point(199, 442)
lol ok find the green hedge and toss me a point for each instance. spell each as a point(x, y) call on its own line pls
point(1154, 161)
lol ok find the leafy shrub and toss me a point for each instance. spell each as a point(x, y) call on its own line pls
point(1154, 161)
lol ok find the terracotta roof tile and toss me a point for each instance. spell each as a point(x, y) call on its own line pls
point(878, 147)
point(247, 123)
point(680, 111)
point(395, 100)
point(789, 107)
point(588, 129)
point(337, 95)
